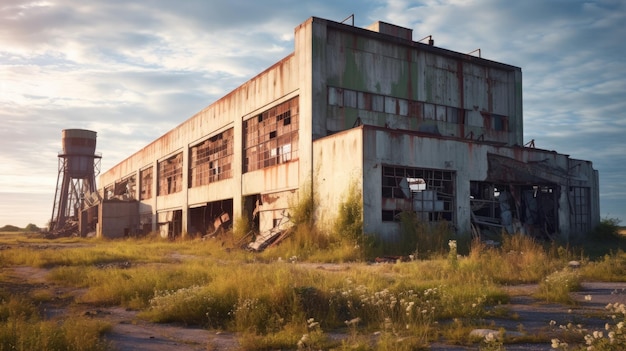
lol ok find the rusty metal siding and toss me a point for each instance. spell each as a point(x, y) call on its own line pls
point(395, 69)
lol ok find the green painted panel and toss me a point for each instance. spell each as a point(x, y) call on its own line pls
point(350, 116)
point(352, 76)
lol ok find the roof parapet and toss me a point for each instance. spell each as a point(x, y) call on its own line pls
point(391, 29)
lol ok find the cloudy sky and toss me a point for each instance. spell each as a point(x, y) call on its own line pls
point(132, 70)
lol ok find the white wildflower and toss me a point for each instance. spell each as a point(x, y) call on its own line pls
point(490, 338)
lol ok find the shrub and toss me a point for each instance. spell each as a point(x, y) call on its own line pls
point(349, 222)
point(302, 212)
point(557, 286)
point(9, 228)
point(195, 305)
point(421, 238)
point(607, 229)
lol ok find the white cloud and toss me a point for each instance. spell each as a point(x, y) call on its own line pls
point(134, 70)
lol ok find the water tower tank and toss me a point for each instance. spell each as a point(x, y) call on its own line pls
point(79, 147)
point(77, 176)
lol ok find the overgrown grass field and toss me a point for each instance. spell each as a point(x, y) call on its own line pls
point(295, 295)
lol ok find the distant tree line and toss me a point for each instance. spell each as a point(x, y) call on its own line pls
point(30, 228)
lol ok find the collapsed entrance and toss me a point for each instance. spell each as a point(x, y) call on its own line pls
point(211, 218)
point(519, 197)
point(516, 208)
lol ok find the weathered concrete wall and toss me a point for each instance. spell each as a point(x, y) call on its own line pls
point(117, 219)
point(332, 155)
point(469, 161)
point(338, 164)
point(365, 61)
point(279, 82)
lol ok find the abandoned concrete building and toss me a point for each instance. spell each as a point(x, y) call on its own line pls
point(412, 126)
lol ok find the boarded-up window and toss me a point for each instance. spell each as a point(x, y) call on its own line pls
point(403, 107)
point(378, 103)
point(364, 101)
point(499, 123)
point(429, 111)
point(440, 112)
point(349, 98)
point(390, 105)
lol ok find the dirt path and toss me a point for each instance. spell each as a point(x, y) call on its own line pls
point(525, 315)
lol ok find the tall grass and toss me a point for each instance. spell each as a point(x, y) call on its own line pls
point(270, 302)
point(422, 239)
point(609, 268)
point(21, 328)
point(519, 259)
point(308, 241)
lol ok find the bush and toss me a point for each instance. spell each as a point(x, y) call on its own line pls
point(349, 223)
point(422, 238)
point(557, 286)
point(10, 228)
point(607, 229)
point(32, 228)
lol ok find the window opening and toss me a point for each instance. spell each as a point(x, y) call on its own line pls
point(145, 184)
point(212, 159)
point(404, 107)
point(515, 208)
point(171, 175)
point(272, 138)
point(428, 192)
point(581, 216)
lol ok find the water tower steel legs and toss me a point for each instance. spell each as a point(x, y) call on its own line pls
point(78, 166)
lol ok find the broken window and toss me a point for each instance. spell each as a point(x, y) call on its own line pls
point(212, 159)
point(125, 188)
point(272, 137)
point(392, 105)
point(581, 217)
point(210, 219)
point(109, 192)
point(170, 175)
point(427, 192)
point(146, 183)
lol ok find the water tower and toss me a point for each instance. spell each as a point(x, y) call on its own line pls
point(78, 166)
